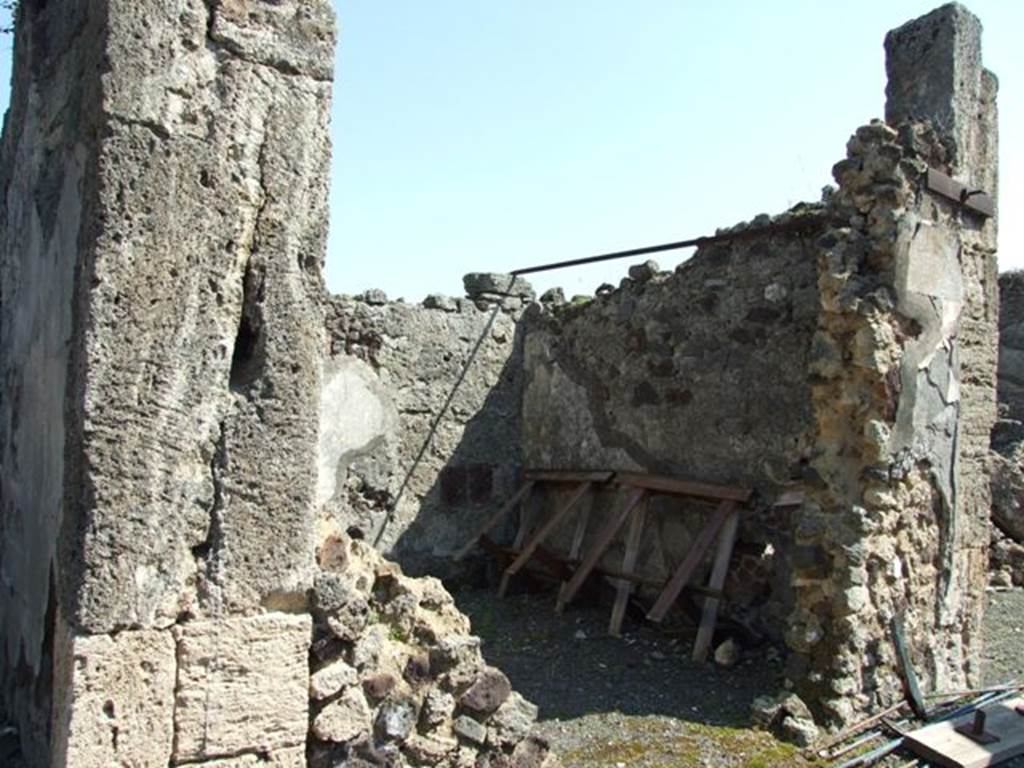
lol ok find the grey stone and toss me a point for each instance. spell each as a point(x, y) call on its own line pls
point(374, 297)
point(396, 719)
point(727, 654)
point(553, 296)
point(486, 301)
point(512, 721)
point(438, 708)
point(470, 729)
point(641, 273)
point(439, 301)
point(478, 283)
point(1008, 496)
point(487, 693)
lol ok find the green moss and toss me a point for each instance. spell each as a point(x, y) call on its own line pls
point(650, 743)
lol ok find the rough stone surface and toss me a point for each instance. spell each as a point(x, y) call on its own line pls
point(45, 214)
point(164, 177)
point(413, 684)
point(412, 442)
point(495, 284)
point(344, 719)
point(119, 708)
point(331, 679)
point(243, 684)
point(613, 383)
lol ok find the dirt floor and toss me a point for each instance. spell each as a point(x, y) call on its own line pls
point(640, 702)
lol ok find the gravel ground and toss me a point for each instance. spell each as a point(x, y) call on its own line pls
point(639, 701)
point(1004, 637)
point(636, 701)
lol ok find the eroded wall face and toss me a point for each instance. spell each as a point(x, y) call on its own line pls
point(181, 158)
point(419, 412)
point(701, 373)
point(48, 180)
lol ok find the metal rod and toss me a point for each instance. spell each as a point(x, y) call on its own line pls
point(803, 221)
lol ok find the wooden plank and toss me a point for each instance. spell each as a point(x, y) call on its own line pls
point(555, 565)
point(906, 667)
point(568, 476)
point(582, 520)
point(719, 570)
point(624, 587)
point(675, 485)
point(525, 520)
point(604, 540)
point(976, 200)
point(494, 519)
point(941, 744)
point(546, 529)
point(690, 562)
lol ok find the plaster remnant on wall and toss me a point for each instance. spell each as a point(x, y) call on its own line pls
point(446, 444)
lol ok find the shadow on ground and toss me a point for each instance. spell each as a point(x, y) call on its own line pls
point(569, 666)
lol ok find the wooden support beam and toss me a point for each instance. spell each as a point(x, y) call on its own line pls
point(624, 587)
point(674, 485)
point(567, 476)
point(525, 520)
point(602, 543)
point(718, 573)
point(494, 519)
point(547, 528)
point(906, 667)
point(690, 563)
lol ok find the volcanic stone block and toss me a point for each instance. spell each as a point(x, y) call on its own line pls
point(242, 686)
point(119, 707)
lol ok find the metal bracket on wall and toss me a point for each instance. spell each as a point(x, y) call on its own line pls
point(976, 200)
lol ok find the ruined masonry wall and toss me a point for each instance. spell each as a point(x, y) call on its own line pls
point(408, 433)
point(165, 209)
point(700, 373)
point(874, 404)
point(1006, 462)
point(45, 211)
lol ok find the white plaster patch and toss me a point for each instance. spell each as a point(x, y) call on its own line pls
point(354, 411)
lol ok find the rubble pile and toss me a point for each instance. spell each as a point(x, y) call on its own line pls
point(397, 679)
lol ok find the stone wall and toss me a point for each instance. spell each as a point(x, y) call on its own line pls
point(419, 417)
point(1006, 555)
point(162, 333)
point(45, 212)
point(700, 373)
point(850, 364)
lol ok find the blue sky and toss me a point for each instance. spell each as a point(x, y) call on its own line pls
point(485, 136)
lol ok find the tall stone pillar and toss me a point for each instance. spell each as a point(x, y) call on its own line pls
point(165, 168)
point(936, 77)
